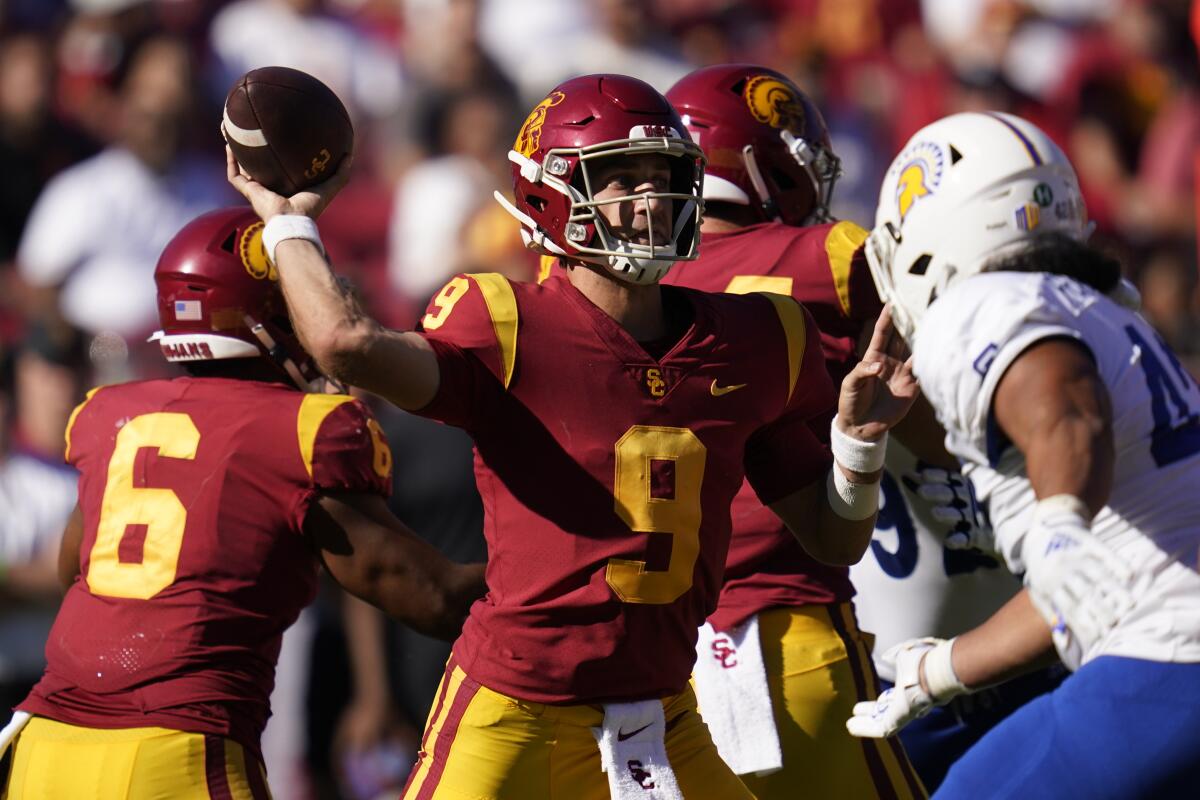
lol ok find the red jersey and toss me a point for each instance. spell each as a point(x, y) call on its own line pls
point(193, 493)
point(823, 267)
point(606, 474)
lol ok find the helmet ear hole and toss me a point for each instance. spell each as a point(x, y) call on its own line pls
point(783, 180)
point(920, 264)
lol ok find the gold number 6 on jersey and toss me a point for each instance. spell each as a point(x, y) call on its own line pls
point(663, 506)
point(159, 510)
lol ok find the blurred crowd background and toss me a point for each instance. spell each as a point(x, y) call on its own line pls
point(109, 143)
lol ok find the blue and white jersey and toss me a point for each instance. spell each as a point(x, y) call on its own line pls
point(909, 584)
point(971, 335)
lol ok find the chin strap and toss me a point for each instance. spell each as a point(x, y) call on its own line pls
point(760, 185)
point(280, 357)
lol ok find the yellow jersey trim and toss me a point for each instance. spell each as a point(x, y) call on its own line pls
point(502, 307)
point(314, 408)
point(545, 268)
point(749, 284)
point(71, 422)
point(791, 316)
point(843, 241)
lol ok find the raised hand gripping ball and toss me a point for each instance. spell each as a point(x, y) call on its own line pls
point(287, 130)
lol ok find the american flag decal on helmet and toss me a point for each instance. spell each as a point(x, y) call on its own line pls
point(188, 311)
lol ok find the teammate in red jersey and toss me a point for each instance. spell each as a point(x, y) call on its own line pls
point(206, 505)
point(614, 420)
point(767, 227)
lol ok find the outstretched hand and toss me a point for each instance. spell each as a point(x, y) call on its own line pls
point(266, 203)
point(881, 388)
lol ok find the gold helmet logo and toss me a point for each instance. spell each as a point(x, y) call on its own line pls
point(775, 103)
point(911, 186)
point(530, 135)
point(919, 177)
point(254, 255)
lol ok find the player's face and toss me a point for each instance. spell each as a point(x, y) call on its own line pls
point(632, 220)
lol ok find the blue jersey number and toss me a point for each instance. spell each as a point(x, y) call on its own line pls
point(901, 562)
point(894, 514)
point(1176, 434)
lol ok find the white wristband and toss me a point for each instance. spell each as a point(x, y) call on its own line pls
point(852, 501)
point(939, 673)
point(290, 226)
point(855, 454)
point(1063, 504)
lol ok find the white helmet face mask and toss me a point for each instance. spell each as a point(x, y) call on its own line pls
point(964, 190)
point(630, 261)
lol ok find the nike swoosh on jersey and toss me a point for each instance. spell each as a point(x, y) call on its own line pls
point(717, 391)
point(622, 735)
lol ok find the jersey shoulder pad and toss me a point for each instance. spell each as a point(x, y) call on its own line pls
point(342, 445)
point(478, 313)
point(794, 320)
point(71, 422)
point(972, 334)
point(829, 266)
point(842, 248)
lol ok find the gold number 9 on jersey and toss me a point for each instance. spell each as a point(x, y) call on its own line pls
point(444, 301)
point(124, 505)
point(658, 506)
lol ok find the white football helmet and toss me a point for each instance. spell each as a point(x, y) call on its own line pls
point(964, 190)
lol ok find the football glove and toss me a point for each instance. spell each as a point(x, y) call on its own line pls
point(953, 502)
point(1077, 583)
point(906, 701)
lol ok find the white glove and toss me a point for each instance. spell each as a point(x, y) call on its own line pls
point(906, 701)
point(954, 503)
point(1080, 586)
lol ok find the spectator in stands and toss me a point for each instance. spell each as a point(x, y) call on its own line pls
point(89, 250)
point(39, 385)
point(248, 34)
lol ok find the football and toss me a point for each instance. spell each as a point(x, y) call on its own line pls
point(287, 130)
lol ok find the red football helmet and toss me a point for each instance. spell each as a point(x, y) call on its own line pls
point(766, 143)
point(593, 117)
point(219, 297)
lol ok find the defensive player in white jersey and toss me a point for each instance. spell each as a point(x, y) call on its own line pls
point(921, 577)
point(1081, 433)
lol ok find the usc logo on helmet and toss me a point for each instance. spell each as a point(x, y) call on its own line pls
point(530, 135)
point(254, 255)
point(772, 101)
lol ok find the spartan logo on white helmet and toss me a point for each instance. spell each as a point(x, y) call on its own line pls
point(964, 190)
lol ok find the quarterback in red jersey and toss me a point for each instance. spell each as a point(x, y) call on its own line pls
point(614, 421)
point(206, 505)
point(767, 227)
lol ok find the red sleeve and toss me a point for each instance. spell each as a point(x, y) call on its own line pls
point(351, 453)
point(786, 455)
point(459, 315)
point(458, 325)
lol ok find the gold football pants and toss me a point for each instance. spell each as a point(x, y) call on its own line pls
point(56, 761)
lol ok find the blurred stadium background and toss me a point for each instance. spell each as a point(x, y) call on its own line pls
point(109, 142)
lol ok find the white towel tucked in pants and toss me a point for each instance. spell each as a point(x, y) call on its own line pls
point(735, 702)
point(634, 754)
